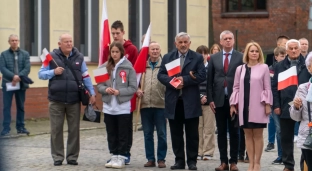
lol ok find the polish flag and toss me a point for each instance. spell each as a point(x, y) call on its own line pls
point(287, 78)
point(173, 67)
point(105, 35)
point(140, 63)
point(45, 57)
point(100, 75)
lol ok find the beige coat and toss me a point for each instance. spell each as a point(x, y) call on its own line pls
point(154, 91)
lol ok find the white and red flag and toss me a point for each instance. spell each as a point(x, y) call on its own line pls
point(45, 57)
point(173, 67)
point(105, 35)
point(100, 75)
point(287, 78)
point(140, 63)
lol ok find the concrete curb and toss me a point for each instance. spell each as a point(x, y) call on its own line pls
point(43, 133)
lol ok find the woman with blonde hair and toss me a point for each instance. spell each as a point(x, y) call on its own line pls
point(252, 93)
point(215, 48)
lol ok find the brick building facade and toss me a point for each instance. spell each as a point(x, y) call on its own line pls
point(263, 23)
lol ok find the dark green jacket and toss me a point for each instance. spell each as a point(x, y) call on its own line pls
point(7, 66)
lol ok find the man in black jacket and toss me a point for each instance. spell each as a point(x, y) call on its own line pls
point(182, 104)
point(280, 42)
point(64, 99)
point(283, 97)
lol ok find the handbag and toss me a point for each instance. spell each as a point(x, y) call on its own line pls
point(83, 92)
point(92, 115)
point(308, 141)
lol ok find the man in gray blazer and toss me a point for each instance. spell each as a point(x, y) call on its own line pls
point(220, 79)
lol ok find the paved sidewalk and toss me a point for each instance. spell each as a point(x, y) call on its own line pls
point(28, 153)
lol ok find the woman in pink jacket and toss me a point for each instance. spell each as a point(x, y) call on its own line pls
point(252, 92)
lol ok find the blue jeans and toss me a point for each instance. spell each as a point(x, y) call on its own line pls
point(278, 133)
point(271, 130)
point(296, 128)
point(7, 103)
point(152, 117)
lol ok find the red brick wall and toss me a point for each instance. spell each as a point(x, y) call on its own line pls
point(36, 103)
point(286, 17)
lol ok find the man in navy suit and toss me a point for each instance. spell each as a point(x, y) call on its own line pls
point(221, 73)
point(182, 104)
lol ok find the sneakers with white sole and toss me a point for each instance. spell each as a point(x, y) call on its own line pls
point(207, 157)
point(113, 160)
point(120, 163)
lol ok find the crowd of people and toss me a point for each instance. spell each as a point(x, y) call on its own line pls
point(237, 93)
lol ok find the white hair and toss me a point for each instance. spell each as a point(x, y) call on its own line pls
point(226, 32)
point(12, 35)
point(182, 34)
point(308, 59)
point(292, 41)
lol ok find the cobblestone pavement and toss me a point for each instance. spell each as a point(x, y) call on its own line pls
point(28, 153)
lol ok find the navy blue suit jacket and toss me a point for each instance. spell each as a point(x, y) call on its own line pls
point(190, 91)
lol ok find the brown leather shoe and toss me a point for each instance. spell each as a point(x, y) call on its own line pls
point(150, 164)
point(161, 164)
point(286, 169)
point(233, 167)
point(222, 167)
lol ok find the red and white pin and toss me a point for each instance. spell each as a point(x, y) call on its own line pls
point(123, 76)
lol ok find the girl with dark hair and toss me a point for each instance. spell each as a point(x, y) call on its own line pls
point(116, 95)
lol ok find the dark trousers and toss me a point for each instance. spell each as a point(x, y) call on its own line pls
point(307, 155)
point(191, 136)
point(242, 144)
point(7, 103)
point(130, 135)
point(58, 112)
point(223, 122)
point(287, 142)
point(117, 133)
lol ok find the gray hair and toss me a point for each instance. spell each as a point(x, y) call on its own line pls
point(151, 42)
point(61, 36)
point(292, 41)
point(303, 39)
point(226, 32)
point(12, 35)
point(308, 59)
point(182, 34)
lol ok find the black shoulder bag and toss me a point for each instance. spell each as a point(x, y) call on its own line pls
point(308, 142)
point(83, 92)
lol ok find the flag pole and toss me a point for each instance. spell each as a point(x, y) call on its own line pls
point(55, 62)
point(139, 105)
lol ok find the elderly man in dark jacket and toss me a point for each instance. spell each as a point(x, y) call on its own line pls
point(63, 72)
point(283, 97)
point(182, 104)
point(14, 64)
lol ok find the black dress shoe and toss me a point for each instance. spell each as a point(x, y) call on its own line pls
point(192, 167)
point(177, 166)
point(58, 163)
point(72, 162)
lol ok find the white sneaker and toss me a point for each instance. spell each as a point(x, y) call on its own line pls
point(295, 139)
point(120, 163)
point(113, 160)
point(207, 157)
